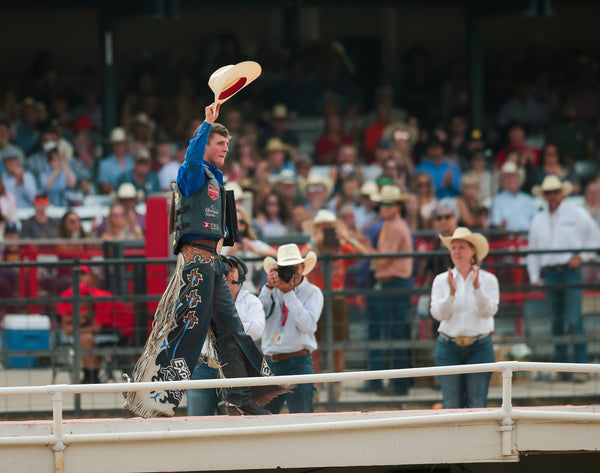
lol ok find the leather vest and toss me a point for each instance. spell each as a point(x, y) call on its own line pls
point(202, 213)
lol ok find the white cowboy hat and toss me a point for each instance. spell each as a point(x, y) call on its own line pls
point(369, 188)
point(511, 168)
point(238, 192)
point(286, 176)
point(552, 183)
point(289, 255)
point(315, 180)
point(480, 242)
point(390, 194)
point(127, 191)
point(229, 80)
point(322, 216)
point(118, 135)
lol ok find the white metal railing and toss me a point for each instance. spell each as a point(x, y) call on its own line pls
point(504, 415)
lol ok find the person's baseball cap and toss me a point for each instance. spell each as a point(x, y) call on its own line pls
point(9, 153)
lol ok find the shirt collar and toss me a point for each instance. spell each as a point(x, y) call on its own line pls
point(302, 284)
point(215, 170)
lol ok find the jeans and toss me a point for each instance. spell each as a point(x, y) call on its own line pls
point(300, 399)
point(464, 390)
point(566, 312)
point(204, 402)
point(387, 321)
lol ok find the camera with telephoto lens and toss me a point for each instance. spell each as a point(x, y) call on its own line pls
point(286, 273)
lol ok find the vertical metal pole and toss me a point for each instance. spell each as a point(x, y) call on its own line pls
point(57, 427)
point(75, 374)
point(108, 71)
point(507, 422)
point(475, 67)
point(328, 300)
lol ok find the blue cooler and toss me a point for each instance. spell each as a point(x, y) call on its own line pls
point(24, 332)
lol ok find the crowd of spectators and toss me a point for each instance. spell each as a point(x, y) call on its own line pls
point(305, 137)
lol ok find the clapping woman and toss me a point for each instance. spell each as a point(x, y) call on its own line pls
point(464, 300)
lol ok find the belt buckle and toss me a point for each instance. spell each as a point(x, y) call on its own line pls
point(464, 340)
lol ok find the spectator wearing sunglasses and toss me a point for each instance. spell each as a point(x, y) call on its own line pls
point(40, 225)
point(445, 222)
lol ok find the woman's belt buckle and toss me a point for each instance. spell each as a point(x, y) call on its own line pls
point(464, 340)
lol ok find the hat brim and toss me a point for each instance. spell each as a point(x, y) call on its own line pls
point(567, 188)
point(310, 261)
point(482, 247)
point(227, 81)
point(402, 198)
point(327, 184)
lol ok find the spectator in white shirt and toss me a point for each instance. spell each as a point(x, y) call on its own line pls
point(464, 300)
point(562, 226)
point(512, 209)
point(205, 402)
point(292, 307)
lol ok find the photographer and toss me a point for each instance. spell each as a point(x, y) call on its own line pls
point(292, 307)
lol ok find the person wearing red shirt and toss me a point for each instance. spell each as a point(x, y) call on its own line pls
point(516, 142)
point(102, 323)
point(327, 145)
point(374, 132)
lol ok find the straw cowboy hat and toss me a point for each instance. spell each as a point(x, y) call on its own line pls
point(322, 216)
point(315, 180)
point(275, 144)
point(390, 194)
point(552, 183)
point(289, 255)
point(229, 80)
point(476, 239)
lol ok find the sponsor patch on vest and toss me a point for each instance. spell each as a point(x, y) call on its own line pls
point(211, 212)
point(213, 192)
point(206, 224)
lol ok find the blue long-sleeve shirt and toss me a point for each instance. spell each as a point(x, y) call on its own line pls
point(437, 172)
point(191, 177)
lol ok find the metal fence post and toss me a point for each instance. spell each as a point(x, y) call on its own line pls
point(328, 301)
point(75, 373)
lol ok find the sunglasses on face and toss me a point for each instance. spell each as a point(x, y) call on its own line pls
point(552, 192)
point(444, 217)
point(387, 204)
